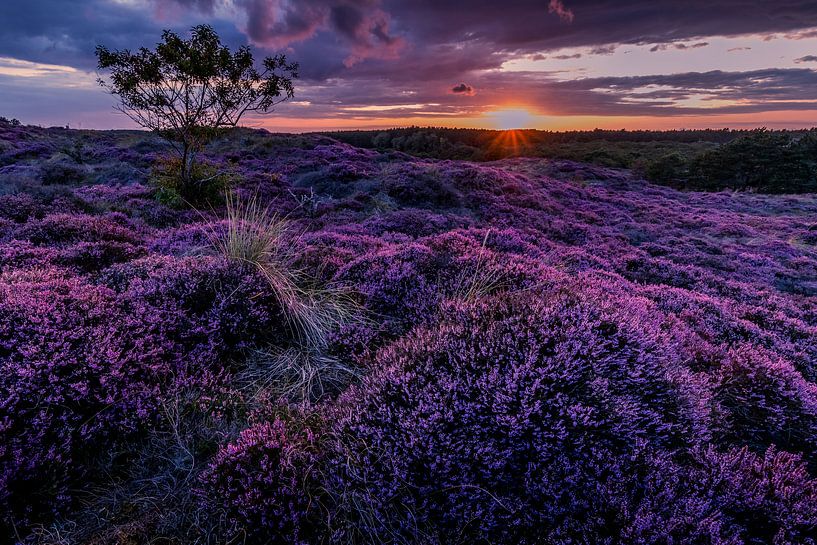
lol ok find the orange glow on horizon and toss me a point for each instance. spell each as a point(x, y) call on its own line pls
point(791, 119)
point(512, 118)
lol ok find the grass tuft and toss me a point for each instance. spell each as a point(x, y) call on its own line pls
point(478, 280)
point(294, 375)
point(260, 237)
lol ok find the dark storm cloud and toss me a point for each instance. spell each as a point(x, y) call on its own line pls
point(67, 31)
point(463, 89)
point(530, 25)
point(452, 39)
point(337, 34)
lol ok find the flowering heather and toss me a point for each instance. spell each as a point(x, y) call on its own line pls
point(262, 478)
point(545, 352)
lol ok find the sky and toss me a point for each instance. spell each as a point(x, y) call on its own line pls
point(548, 64)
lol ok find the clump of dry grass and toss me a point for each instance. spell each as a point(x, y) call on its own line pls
point(260, 237)
point(294, 375)
point(153, 498)
point(478, 280)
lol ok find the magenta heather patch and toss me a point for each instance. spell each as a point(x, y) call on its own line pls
point(726, 497)
point(17, 254)
point(766, 402)
point(85, 364)
point(66, 382)
point(268, 481)
point(209, 305)
point(20, 207)
point(189, 239)
point(473, 427)
point(414, 222)
point(60, 229)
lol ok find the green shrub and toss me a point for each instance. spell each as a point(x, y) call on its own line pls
point(667, 168)
point(208, 183)
point(769, 162)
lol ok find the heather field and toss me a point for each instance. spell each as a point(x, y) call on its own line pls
point(362, 346)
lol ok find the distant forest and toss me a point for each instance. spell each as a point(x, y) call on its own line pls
point(756, 160)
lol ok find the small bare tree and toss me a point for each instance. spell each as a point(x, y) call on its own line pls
point(185, 90)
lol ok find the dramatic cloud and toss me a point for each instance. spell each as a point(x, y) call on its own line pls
point(530, 25)
point(360, 24)
point(65, 32)
point(680, 94)
point(363, 54)
point(278, 24)
point(368, 31)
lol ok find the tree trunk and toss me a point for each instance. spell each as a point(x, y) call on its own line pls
point(186, 174)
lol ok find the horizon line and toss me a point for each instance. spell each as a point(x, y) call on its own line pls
point(447, 128)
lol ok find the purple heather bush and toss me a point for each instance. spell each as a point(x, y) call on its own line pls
point(68, 382)
point(765, 402)
point(87, 364)
point(263, 479)
point(501, 422)
point(64, 229)
point(546, 352)
point(720, 497)
point(134, 199)
point(413, 222)
point(20, 207)
point(210, 306)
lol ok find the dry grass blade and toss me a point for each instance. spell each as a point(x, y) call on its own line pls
point(254, 232)
point(478, 280)
point(258, 236)
point(294, 375)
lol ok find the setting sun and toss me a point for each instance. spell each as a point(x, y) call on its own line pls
point(512, 119)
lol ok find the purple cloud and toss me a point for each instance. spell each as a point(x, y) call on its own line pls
point(360, 24)
point(558, 7)
point(603, 50)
